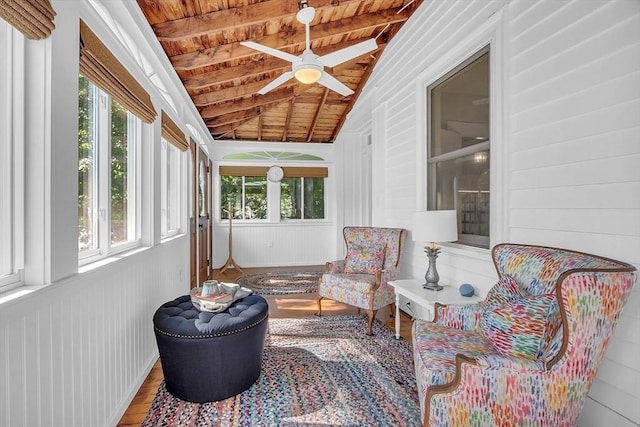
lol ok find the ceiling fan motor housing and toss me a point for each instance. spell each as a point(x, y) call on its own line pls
point(306, 14)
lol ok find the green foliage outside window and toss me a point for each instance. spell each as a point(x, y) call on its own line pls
point(245, 195)
point(86, 237)
point(302, 198)
point(88, 136)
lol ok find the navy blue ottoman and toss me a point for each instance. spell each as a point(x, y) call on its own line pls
point(205, 356)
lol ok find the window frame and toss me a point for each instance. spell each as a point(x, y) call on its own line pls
point(103, 183)
point(12, 141)
point(170, 156)
point(433, 160)
point(273, 196)
point(302, 198)
point(490, 33)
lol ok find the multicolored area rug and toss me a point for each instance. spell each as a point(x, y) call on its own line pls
point(315, 371)
point(282, 282)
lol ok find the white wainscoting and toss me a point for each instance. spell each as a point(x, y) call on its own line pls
point(276, 245)
point(74, 353)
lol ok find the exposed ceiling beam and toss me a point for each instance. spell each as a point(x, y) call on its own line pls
point(286, 39)
point(233, 117)
point(253, 68)
point(225, 75)
point(228, 19)
point(316, 116)
point(233, 92)
point(287, 121)
point(246, 103)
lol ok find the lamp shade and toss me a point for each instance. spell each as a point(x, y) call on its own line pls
point(435, 226)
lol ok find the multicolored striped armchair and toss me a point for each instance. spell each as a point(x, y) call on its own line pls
point(528, 354)
point(360, 280)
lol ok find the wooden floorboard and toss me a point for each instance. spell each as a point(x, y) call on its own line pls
point(280, 307)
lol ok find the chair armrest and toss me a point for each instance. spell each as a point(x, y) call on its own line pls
point(463, 317)
point(334, 266)
point(474, 387)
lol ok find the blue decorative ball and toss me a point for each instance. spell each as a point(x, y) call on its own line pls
point(466, 290)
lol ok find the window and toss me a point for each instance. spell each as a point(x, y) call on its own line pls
point(246, 196)
point(11, 156)
point(108, 177)
point(459, 147)
point(302, 198)
point(170, 198)
point(246, 190)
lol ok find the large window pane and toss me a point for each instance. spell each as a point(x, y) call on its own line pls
point(107, 173)
point(246, 196)
point(88, 161)
point(462, 184)
point(459, 147)
point(302, 198)
point(170, 193)
point(120, 167)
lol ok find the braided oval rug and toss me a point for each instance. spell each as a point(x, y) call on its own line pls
point(281, 282)
point(315, 372)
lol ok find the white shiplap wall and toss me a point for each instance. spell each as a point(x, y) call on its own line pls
point(565, 145)
point(574, 178)
point(74, 353)
point(275, 245)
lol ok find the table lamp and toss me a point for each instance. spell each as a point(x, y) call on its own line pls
point(434, 226)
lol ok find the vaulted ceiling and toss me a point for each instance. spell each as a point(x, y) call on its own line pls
point(222, 77)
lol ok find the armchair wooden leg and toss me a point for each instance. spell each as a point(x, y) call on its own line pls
point(372, 314)
point(319, 313)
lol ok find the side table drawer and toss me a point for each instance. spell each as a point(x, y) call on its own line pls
point(415, 310)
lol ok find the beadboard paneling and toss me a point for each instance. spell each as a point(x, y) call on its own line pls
point(74, 353)
point(276, 245)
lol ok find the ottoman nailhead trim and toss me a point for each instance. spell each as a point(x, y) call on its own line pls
point(213, 335)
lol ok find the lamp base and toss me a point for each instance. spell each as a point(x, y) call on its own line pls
point(432, 287)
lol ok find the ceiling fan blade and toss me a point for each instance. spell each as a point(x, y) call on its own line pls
point(339, 56)
point(271, 51)
point(276, 82)
point(334, 84)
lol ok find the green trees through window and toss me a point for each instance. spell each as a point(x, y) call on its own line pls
point(247, 197)
point(107, 171)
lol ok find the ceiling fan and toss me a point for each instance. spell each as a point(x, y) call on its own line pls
point(308, 68)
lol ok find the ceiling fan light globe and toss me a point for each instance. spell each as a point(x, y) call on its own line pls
point(308, 74)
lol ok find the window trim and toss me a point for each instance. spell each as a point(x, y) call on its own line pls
point(273, 191)
point(12, 109)
point(167, 149)
point(105, 247)
point(490, 33)
point(432, 161)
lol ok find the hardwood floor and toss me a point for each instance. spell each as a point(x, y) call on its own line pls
point(280, 306)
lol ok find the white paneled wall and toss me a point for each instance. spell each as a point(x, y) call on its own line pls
point(74, 353)
point(575, 181)
point(565, 145)
point(275, 245)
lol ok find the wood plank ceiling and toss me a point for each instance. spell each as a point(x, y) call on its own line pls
point(202, 40)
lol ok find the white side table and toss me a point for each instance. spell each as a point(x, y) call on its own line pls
point(412, 290)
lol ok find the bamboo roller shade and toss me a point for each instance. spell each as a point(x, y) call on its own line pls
point(172, 133)
point(289, 171)
point(100, 66)
point(33, 18)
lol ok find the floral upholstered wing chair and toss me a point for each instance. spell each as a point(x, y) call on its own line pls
point(527, 354)
point(361, 279)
